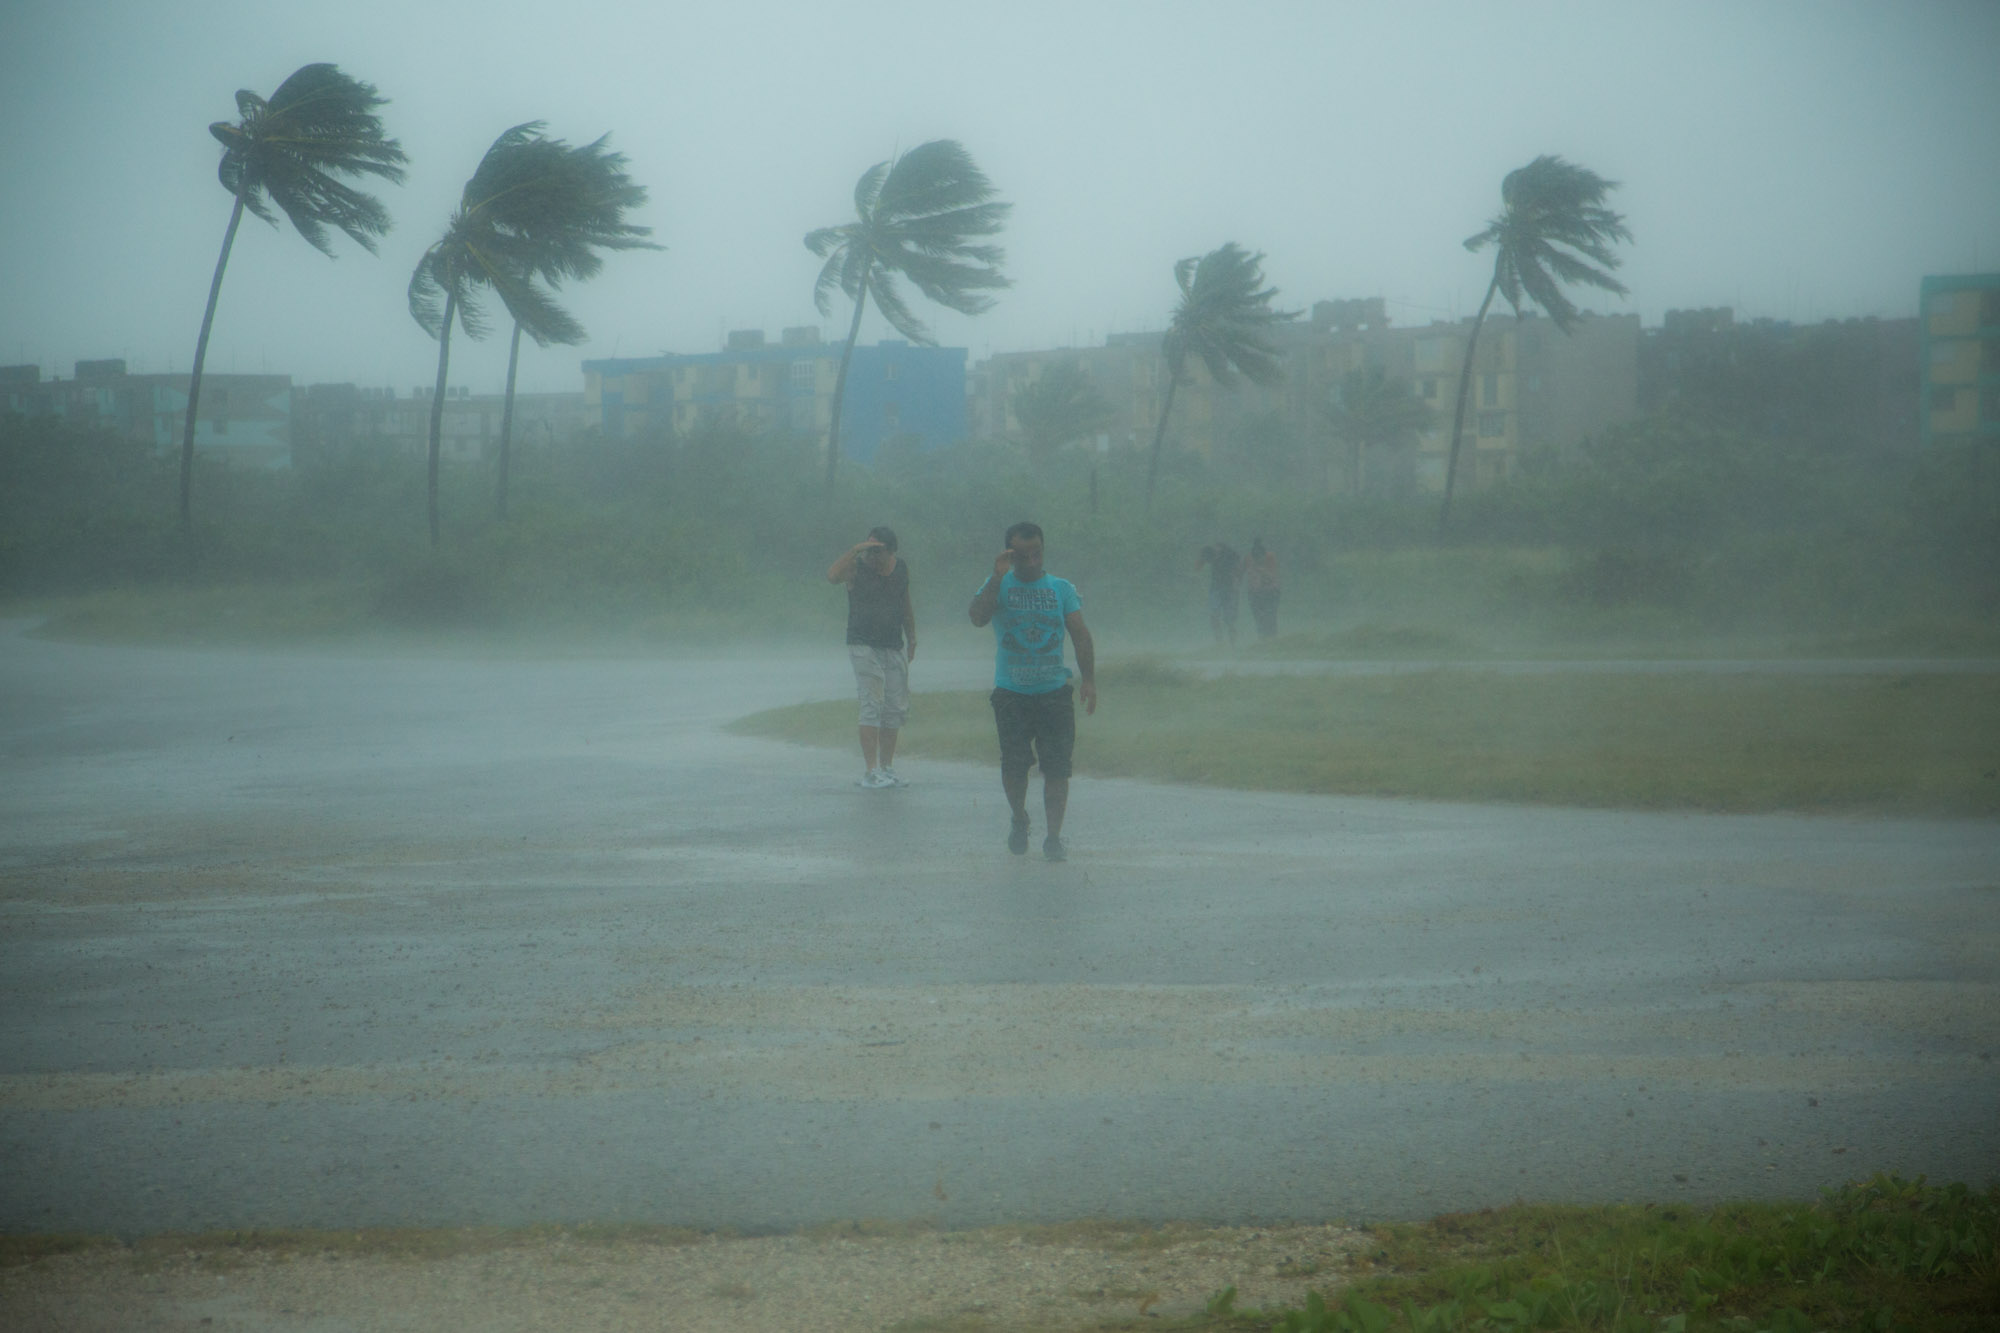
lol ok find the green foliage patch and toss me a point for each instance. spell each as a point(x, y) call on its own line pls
point(1884, 1254)
point(1665, 538)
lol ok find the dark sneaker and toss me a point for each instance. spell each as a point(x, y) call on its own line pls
point(1053, 850)
point(1017, 836)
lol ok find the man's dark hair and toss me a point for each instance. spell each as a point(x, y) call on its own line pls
point(1029, 530)
point(885, 535)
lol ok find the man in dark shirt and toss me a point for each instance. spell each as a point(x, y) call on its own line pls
point(879, 620)
point(1225, 571)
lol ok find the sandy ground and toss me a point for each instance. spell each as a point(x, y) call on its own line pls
point(1003, 1278)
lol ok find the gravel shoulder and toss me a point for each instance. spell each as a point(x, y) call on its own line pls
point(840, 1279)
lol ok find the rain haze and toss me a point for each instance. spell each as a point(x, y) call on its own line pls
point(1794, 161)
point(471, 862)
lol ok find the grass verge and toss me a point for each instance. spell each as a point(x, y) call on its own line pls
point(1902, 744)
point(1884, 1254)
point(1887, 1254)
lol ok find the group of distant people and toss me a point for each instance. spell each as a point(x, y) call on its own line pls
point(1228, 571)
point(1033, 613)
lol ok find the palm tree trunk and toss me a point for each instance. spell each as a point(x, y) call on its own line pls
point(437, 407)
point(1159, 438)
point(507, 419)
point(1464, 390)
point(194, 377)
point(840, 385)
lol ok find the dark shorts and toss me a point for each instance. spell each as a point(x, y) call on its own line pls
point(1036, 729)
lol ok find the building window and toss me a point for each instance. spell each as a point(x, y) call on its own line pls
point(890, 416)
point(1492, 425)
point(888, 370)
point(804, 374)
point(1944, 400)
point(1489, 392)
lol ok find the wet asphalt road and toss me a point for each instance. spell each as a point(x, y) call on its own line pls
point(343, 940)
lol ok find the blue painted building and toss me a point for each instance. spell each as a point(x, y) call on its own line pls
point(894, 389)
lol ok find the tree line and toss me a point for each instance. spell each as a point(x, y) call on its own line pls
point(537, 212)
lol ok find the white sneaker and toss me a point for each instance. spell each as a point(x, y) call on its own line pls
point(891, 780)
point(874, 778)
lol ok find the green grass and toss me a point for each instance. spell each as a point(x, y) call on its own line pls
point(1885, 1254)
point(1907, 744)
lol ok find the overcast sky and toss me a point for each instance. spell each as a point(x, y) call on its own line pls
point(1793, 160)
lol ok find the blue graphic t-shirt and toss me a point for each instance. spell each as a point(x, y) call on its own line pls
point(1029, 629)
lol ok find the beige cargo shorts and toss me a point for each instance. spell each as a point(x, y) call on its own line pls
point(882, 682)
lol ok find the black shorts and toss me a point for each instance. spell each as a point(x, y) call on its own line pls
point(1036, 729)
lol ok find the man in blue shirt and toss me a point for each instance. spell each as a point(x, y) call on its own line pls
point(1034, 706)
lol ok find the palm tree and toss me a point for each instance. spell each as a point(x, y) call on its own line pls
point(291, 151)
point(1059, 405)
point(570, 226)
point(1370, 409)
point(1225, 321)
point(504, 238)
point(1552, 228)
point(917, 216)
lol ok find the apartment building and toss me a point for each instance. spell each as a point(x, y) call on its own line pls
point(1534, 386)
point(333, 420)
point(1960, 356)
point(895, 391)
point(1834, 386)
point(244, 420)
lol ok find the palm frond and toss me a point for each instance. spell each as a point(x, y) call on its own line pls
point(533, 215)
point(889, 299)
point(533, 308)
point(427, 294)
point(1225, 317)
point(1553, 228)
point(292, 150)
point(920, 216)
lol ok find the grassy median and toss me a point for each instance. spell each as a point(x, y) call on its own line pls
point(1892, 744)
point(1887, 1253)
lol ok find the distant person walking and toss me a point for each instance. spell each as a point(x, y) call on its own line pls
point(1225, 573)
point(1260, 581)
point(879, 622)
point(1034, 705)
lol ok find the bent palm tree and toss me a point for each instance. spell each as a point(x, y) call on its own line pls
point(496, 241)
point(1225, 321)
point(569, 226)
point(290, 151)
point(917, 216)
point(1552, 228)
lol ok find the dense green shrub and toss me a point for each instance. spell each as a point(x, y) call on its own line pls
point(1663, 524)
